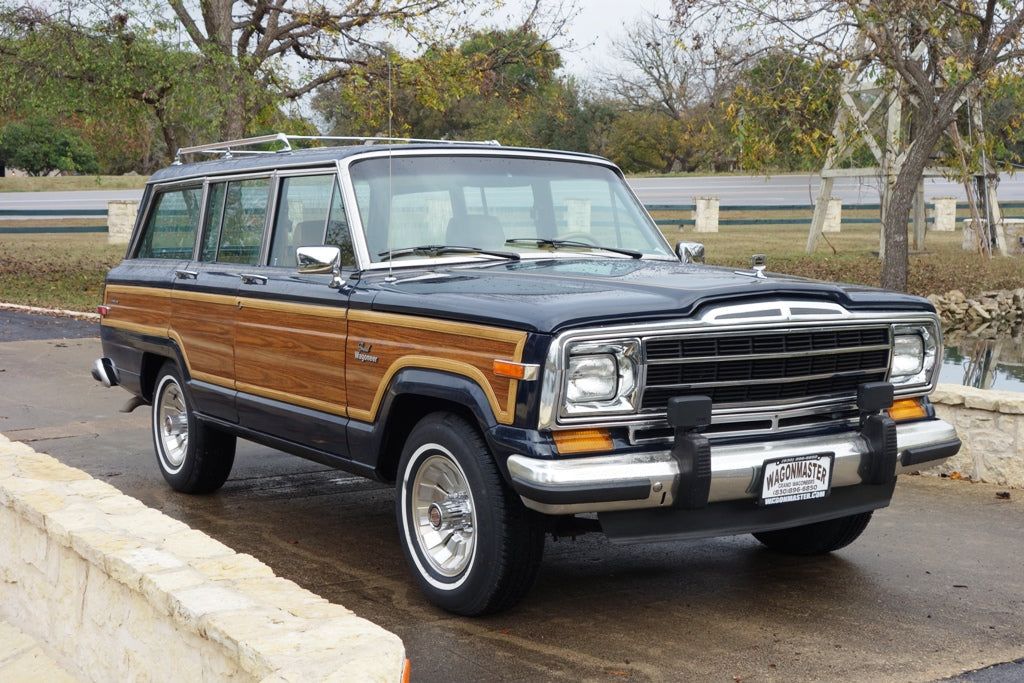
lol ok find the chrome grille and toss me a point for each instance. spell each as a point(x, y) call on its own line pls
point(765, 367)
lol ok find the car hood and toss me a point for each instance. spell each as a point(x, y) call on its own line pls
point(551, 295)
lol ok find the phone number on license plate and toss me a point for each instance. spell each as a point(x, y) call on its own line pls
point(801, 477)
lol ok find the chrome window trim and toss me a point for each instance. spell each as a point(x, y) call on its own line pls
point(356, 220)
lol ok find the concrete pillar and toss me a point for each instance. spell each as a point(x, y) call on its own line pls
point(970, 238)
point(121, 215)
point(705, 214)
point(833, 215)
point(944, 214)
point(1013, 230)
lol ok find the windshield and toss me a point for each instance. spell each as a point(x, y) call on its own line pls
point(420, 206)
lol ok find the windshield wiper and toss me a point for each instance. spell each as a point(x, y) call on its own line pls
point(579, 244)
point(433, 250)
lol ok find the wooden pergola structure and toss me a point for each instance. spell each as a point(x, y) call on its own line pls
point(872, 115)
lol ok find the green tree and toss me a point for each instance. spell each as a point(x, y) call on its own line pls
point(113, 83)
point(41, 146)
point(191, 71)
point(247, 45)
point(495, 84)
point(674, 88)
point(782, 111)
point(933, 54)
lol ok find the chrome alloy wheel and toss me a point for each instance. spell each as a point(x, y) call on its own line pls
point(443, 519)
point(172, 425)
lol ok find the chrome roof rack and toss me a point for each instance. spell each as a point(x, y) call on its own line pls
point(229, 148)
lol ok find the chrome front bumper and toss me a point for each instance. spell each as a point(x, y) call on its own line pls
point(651, 479)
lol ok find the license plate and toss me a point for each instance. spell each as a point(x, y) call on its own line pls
point(800, 477)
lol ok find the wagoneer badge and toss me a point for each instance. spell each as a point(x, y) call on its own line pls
point(363, 353)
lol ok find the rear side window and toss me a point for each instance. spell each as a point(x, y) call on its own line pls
point(170, 231)
point(245, 211)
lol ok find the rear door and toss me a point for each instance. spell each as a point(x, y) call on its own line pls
point(205, 306)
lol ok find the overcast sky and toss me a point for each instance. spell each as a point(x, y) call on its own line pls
point(597, 24)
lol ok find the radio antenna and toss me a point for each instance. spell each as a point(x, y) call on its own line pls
point(390, 277)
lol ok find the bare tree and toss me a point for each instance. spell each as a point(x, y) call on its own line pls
point(667, 72)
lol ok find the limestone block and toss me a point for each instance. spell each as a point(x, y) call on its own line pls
point(158, 587)
point(190, 605)
point(833, 216)
point(705, 214)
point(130, 566)
point(127, 593)
point(44, 468)
point(192, 544)
point(1013, 229)
point(121, 214)
point(944, 214)
point(969, 241)
point(232, 567)
point(289, 596)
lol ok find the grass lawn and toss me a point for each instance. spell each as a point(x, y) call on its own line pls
point(72, 182)
point(56, 270)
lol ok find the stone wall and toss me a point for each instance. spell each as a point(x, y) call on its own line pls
point(991, 425)
point(997, 312)
point(120, 592)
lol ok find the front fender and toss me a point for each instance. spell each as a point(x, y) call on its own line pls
point(412, 394)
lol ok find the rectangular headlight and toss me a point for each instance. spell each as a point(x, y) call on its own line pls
point(601, 378)
point(915, 352)
point(593, 377)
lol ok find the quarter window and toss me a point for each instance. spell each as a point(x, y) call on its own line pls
point(214, 215)
point(170, 230)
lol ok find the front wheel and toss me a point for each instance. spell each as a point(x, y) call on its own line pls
point(473, 547)
point(193, 457)
point(818, 538)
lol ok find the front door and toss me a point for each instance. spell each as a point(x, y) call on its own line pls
point(290, 329)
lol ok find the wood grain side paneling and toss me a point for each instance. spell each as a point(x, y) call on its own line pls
point(381, 344)
point(203, 326)
point(145, 310)
point(293, 353)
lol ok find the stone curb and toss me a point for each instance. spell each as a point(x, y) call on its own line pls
point(49, 311)
point(119, 591)
point(991, 425)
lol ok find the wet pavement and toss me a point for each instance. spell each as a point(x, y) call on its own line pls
point(934, 587)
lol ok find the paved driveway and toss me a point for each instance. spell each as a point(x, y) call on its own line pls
point(934, 588)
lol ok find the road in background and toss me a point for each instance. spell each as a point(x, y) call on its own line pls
point(793, 189)
point(731, 191)
point(75, 200)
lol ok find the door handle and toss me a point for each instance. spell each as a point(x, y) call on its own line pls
point(186, 274)
point(250, 279)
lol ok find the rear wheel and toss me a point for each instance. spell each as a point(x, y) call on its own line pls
point(193, 457)
point(818, 538)
point(472, 545)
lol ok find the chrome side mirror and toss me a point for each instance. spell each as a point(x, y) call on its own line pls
point(690, 252)
point(320, 261)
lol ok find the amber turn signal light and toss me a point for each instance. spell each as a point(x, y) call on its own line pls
point(583, 441)
point(907, 409)
point(506, 368)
